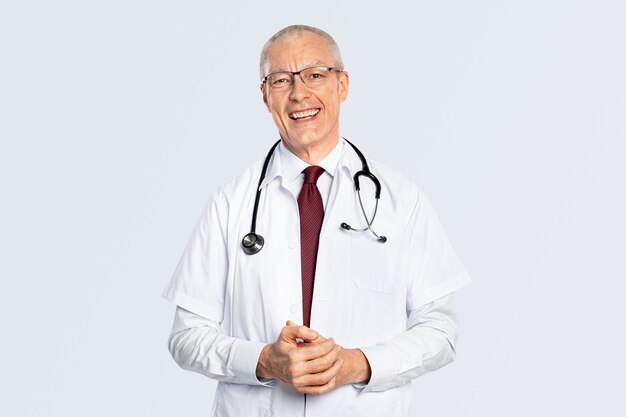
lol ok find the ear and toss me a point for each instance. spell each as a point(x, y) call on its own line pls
point(344, 83)
point(264, 93)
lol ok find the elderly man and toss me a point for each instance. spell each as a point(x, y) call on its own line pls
point(340, 292)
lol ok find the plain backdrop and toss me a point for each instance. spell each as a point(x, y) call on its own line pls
point(118, 118)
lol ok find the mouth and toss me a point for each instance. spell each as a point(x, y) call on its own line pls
point(304, 115)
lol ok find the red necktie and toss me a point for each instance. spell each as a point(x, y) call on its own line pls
point(311, 215)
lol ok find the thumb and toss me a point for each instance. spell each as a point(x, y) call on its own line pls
point(293, 331)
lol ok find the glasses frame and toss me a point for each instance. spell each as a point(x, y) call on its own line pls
point(298, 73)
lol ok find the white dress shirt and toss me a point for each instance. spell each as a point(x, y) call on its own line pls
point(392, 300)
point(292, 168)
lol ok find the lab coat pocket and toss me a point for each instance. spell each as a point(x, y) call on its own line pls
point(372, 263)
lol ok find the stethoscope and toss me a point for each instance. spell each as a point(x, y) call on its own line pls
point(253, 242)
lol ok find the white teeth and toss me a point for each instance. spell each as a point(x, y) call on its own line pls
point(303, 114)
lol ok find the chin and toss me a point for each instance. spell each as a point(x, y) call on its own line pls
point(309, 138)
point(303, 141)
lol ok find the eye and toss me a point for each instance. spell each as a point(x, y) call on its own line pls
point(279, 80)
point(316, 75)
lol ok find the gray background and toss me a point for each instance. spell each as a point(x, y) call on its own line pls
point(118, 118)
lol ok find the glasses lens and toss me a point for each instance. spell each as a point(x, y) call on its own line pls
point(315, 76)
point(280, 80)
point(312, 77)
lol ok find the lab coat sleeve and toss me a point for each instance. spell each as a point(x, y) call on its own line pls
point(427, 345)
point(434, 272)
point(198, 283)
point(197, 345)
point(198, 288)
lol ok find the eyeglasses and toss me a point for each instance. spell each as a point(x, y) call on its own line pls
point(312, 77)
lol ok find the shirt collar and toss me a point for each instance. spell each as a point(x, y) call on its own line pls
point(350, 160)
point(288, 166)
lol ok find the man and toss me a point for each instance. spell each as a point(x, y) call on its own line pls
point(322, 320)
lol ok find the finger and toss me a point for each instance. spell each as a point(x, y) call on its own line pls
point(318, 339)
point(299, 367)
point(313, 381)
point(320, 389)
point(324, 362)
point(310, 351)
point(320, 378)
point(291, 333)
point(299, 360)
point(300, 340)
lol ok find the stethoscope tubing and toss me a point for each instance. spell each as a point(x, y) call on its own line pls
point(252, 242)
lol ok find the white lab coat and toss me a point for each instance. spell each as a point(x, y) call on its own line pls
point(390, 300)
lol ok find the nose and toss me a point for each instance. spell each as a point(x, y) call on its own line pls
point(299, 90)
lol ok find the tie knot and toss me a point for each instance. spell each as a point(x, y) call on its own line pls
point(312, 173)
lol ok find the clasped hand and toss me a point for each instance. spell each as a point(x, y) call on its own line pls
point(314, 365)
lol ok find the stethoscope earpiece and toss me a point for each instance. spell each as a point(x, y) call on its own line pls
point(346, 226)
point(252, 243)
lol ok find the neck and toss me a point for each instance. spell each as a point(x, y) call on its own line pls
point(313, 154)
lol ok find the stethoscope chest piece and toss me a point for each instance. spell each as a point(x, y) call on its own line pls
point(252, 243)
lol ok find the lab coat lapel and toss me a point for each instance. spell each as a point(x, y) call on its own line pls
point(333, 257)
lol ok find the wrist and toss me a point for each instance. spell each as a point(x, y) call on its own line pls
point(262, 368)
point(357, 367)
point(363, 370)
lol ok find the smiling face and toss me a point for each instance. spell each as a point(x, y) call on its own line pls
point(307, 118)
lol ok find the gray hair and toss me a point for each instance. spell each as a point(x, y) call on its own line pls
point(294, 31)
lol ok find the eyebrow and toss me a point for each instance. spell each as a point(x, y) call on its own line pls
point(317, 64)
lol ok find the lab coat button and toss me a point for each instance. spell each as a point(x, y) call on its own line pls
point(294, 308)
point(292, 244)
